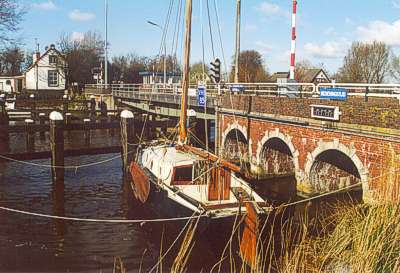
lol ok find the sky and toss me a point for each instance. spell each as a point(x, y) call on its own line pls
point(326, 28)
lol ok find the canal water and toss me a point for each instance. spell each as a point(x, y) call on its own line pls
point(34, 244)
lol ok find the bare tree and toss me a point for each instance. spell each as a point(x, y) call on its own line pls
point(82, 56)
point(366, 63)
point(395, 68)
point(127, 68)
point(12, 61)
point(10, 17)
point(251, 67)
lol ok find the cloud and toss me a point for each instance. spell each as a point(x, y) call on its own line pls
point(271, 9)
point(380, 31)
point(77, 15)
point(328, 50)
point(250, 28)
point(49, 5)
point(77, 36)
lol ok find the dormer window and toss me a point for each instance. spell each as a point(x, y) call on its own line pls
point(53, 59)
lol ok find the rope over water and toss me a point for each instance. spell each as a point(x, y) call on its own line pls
point(114, 221)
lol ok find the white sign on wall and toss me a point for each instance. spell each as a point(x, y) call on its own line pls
point(326, 112)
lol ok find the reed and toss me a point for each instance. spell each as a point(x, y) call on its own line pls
point(344, 238)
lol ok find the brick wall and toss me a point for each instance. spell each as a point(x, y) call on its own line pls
point(377, 112)
point(378, 158)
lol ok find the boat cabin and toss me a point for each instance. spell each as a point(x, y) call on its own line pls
point(189, 173)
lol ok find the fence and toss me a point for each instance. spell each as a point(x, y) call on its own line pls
point(291, 90)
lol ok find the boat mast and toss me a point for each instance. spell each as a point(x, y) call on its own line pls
point(185, 80)
point(237, 50)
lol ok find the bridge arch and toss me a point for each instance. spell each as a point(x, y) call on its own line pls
point(333, 165)
point(277, 155)
point(235, 145)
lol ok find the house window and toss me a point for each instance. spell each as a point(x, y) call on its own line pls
point(53, 59)
point(53, 78)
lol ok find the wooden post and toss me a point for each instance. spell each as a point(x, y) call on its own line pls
point(57, 147)
point(86, 131)
point(65, 104)
point(145, 127)
point(42, 121)
point(110, 120)
point(30, 135)
point(92, 107)
point(127, 139)
point(68, 118)
point(33, 106)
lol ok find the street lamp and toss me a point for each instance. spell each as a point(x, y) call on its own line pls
point(165, 52)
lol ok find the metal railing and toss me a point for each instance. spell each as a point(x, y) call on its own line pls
point(291, 90)
point(365, 89)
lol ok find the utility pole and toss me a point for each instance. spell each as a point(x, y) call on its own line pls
point(165, 52)
point(237, 51)
point(37, 57)
point(106, 42)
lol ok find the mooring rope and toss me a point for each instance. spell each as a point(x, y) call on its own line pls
point(73, 167)
point(114, 221)
point(60, 167)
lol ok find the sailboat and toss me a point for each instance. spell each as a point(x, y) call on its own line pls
point(180, 180)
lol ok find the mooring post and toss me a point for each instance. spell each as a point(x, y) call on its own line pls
point(42, 121)
point(68, 118)
point(110, 118)
point(65, 104)
point(57, 148)
point(30, 135)
point(127, 139)
point(33, 106)
point(92, 107)
point(86, 131)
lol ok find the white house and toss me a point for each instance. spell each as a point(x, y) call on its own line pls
point(47, 73)
point(11, 84)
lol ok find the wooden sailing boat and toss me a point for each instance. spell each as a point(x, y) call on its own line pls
point(181, 180)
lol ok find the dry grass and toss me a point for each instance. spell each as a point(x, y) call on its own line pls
point(347, 238)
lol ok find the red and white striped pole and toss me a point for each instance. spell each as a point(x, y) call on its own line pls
point(293, 47)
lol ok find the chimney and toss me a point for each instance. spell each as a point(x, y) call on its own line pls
point(36, 56)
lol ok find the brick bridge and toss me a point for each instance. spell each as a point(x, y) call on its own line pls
point(277, 136)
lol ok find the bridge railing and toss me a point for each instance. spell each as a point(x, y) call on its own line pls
point(272, 89)
point(365, 90)
point(291, 90)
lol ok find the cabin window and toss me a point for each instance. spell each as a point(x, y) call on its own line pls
point(53, 59)
point(53, 77)
point(183, 175)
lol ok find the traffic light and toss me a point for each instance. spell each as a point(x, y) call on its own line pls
point(216, 71)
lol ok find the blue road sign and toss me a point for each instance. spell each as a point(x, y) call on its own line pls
point(201, 96)
point(333, 93)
